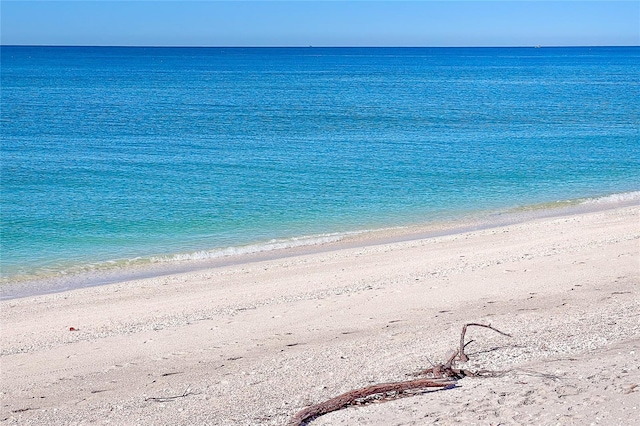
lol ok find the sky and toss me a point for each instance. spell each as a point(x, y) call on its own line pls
point(320, 23)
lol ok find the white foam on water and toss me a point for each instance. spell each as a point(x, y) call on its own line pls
point(271, 245)
point(621, 198)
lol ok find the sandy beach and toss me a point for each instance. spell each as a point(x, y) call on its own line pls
point(253, 343)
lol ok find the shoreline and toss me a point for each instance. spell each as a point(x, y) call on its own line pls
point(253, 343)
point(109, 273)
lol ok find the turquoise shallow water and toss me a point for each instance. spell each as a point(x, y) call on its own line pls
point(117, 155)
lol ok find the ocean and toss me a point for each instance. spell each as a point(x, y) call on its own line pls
point(116, 157)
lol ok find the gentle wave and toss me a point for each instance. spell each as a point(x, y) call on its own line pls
point(612, 200)
point(272, 245)
point(625, 197)
point(149, 264)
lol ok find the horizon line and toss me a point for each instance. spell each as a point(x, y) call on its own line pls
point(317, 46)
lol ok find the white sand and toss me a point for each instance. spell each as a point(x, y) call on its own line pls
point(254, 343)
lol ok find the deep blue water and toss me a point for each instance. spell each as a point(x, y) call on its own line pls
point(114, 154)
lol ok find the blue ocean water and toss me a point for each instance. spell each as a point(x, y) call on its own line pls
point(114, 155)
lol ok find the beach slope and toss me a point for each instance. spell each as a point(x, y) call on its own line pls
point(253, 343)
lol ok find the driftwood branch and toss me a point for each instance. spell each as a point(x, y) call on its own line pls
point(442, 376)
point(351, 397)
point(462, 356)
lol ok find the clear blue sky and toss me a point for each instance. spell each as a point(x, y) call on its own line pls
point(321, 23)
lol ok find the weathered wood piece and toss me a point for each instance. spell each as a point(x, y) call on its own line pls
point(443, 376)
point(351, 397)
